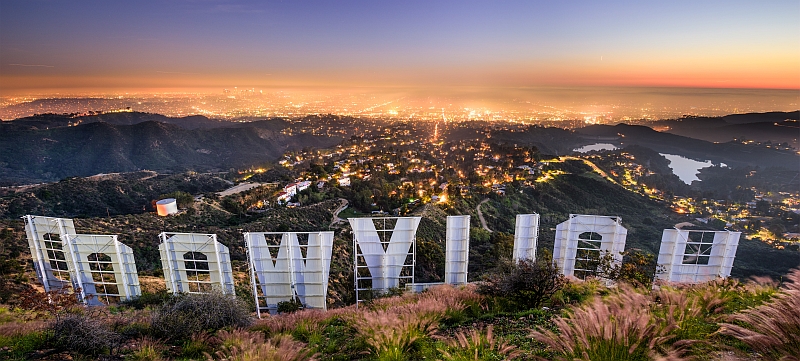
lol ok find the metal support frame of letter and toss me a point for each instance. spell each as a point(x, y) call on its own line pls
point(456, 250)
point(696, 256)
point(380, 261)
point(46, 243)
point(583, 239)
point(526, 236)
point(195, 263)
point(102, 268)
point(289, 270)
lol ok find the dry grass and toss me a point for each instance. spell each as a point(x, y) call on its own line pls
point(771, 329)
point(150, 284)
point(450, 296)
point(309, 321)
point(391, 333)
point(19, 328)
point(148, 349)
point(393, 325)
point(240, 345)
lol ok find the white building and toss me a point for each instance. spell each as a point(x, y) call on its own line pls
point(290, 189)
point(301, 186)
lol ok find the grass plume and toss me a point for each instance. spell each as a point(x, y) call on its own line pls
point(475, 345)
point(241, 345)
point(773, 328)
point(620, 327)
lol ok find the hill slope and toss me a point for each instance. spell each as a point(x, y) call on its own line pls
point(732, 154)
point(34, 155)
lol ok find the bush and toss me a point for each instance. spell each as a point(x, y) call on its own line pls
point(83, 334)
point(185, 315)
point(147, 299)
point(577, 292)
point(289, 306)
point(527, 283)
point(15, 346)
point(637, 268)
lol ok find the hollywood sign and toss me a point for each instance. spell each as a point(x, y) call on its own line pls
point(295, 266)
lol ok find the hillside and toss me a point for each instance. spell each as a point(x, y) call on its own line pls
point(776, 127)
point(50, 121)
point(30, 154)
point(731, 153)
point(115, 194)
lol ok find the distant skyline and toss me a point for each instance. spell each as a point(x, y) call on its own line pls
point(56, 46)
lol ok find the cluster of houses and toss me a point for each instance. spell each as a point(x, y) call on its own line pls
point(290, 190)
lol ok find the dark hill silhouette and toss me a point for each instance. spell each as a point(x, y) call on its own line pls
point(730, 153)
point(49, 121)
point(776, 127)
point(30, 155)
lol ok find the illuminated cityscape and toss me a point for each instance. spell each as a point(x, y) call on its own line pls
point(532, 106)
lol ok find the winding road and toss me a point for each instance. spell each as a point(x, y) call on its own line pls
point(480, 215)
point(342, 206)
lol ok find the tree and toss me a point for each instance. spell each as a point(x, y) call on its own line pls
point(637, 268)
point(527, 283)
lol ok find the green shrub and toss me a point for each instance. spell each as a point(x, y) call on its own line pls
point(148, 350)
point(527, 283)
point(186, 315)
point(289, 306)
point(18, 345)
point(577, 292)
point(133, 330)
point(148, 300)
point(198, 344)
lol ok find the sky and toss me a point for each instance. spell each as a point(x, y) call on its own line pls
point(49, 45)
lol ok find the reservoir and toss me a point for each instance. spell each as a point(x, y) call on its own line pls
point(686, 169)
point(595, 147)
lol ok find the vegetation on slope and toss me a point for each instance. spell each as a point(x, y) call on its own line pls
point(582, 320)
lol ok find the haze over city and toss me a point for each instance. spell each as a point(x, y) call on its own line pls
point(187, 46)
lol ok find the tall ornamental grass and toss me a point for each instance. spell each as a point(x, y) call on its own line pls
point(773, 328)
point(619, 327)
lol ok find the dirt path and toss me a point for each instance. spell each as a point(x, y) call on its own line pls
point(480, 215)
point(342, 206)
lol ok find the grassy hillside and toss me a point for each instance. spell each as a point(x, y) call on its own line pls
point(721, 320)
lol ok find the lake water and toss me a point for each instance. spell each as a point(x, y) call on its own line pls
point(595, 147)
point(686, 169)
